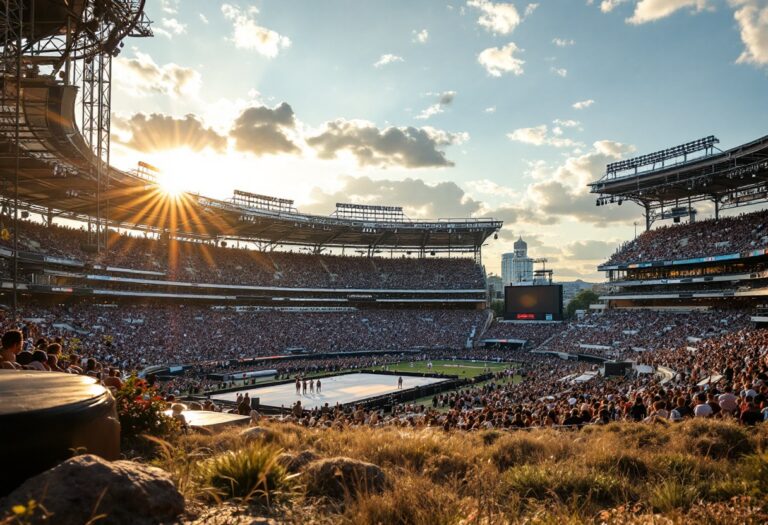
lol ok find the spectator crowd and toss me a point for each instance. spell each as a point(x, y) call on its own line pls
point(697, 239)
point(719, 370)
point(216, 264)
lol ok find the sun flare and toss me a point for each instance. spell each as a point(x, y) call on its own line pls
point(171, 184)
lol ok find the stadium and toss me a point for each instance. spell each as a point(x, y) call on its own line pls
point(227, 327)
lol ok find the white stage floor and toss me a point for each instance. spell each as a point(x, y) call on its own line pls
point(347, 388)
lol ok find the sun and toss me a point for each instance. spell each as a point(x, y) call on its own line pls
point(176, 168)
point(170, 183)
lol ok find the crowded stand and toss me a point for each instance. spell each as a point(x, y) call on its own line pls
point(208, 263)
point(717, 359)
point(734, 369)
point(697, 239)
point(534, 334)
point(134, 337)
point(625, 333)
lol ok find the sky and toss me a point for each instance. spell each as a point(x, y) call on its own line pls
point(447, 108)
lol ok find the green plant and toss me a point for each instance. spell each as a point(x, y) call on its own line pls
point(717, 439)
point(252, 473)
point(754, 470)
point(520, 449)
point(560, 483)
point(140, 410)
point(413, 501)
point(672, 494)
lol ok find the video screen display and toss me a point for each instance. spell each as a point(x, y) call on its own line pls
point(533, 303)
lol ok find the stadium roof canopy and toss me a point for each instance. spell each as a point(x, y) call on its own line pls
point(667, 182)
point(57, 177)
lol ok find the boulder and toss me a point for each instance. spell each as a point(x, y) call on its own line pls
point(294, 463)
point(257, 433)
point(340, 477)
point(83, 487)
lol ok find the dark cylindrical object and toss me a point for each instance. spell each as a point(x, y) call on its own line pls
point(47, 417)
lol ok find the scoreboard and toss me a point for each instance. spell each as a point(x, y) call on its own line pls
point(533, 303)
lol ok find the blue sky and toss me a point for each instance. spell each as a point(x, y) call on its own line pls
point(448, 108)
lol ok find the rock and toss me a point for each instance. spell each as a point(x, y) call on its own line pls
point(294, 463)
point(338, 478)
point(72, 491)
point(257, 433)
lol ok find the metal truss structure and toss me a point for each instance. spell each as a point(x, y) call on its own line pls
point(728, 179)
point(60, 44)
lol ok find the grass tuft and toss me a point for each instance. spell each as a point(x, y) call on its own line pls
point(252, 473)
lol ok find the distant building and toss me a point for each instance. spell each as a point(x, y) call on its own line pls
point(517, 267)
point(495, 287)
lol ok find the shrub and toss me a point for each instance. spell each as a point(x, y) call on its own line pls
point(621, 463)
point(490, 437)
point(521, 449)
point(754, 470)
point(140, 410)
point(564, 484)
point(342, 478)
point(442, 468)
point(686, 468)
point(717, 439)
point(252, 473)
point(412, 501)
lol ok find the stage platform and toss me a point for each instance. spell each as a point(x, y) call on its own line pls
point(343, 389)
point(211, 420)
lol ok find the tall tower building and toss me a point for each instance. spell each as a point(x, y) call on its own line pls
point(517, 267)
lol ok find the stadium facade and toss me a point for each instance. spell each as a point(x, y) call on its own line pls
point(716, 263)
point(138, 244)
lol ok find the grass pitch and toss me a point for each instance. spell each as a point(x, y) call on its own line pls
point(467, 369)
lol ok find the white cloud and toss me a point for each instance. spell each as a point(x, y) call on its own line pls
point(142, 76)
point(386, 59)
point(445, 99)
point(500, 60)
point(169, 6)
point(606, 6)
point(651, 10)
point(421, 37)
point(490, 109)
point(529, 9)
point(583, 104)
point(173, 26)
point(559, 71)
point(158, 132)
point(566, 123)
point(407, 147)
point(247, 34)
point(752, 18)
point(500, 18)
point(563, 42)
point(203, 18)
point(540, 136)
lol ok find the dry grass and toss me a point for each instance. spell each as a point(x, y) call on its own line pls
point(651, 474)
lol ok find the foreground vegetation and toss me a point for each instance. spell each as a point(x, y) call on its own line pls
point(698, 471)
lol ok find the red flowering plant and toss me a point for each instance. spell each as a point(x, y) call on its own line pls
point(141, 411)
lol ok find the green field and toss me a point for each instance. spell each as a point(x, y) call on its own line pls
point(448, 367)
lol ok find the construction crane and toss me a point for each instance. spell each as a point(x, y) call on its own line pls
point(543, 273)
